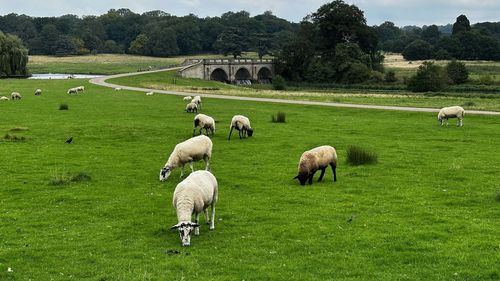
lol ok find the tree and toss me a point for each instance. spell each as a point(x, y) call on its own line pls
point(418, 50)
point(431, 34)
point(457, 72)
point(461, 24)
point(231, 41)
point(138, 46)
point(13, 56)
point(429, 78)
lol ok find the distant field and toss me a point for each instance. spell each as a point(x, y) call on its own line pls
point(429, 210)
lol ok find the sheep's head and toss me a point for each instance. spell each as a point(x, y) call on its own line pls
point(165, 173)
point(185, 229)
point(250, 132)
point(302, 177)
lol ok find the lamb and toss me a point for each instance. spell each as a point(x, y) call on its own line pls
point(4, 98)
point(316, 159)
point(16, 96)
point(118, 89)
point(193, 196)
point(149, 93)
point(192, 107)
point(451, 112)
point(38, 92)
point(72, 91)
point(193, 149)
point(197, 100)
point(242, 124)
point(203, 121)
point(188, 98)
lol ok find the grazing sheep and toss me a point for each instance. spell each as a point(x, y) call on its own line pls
point(193, 196)
point(149, 93)
point(118, 89)
point(242, 124)
point(197, 100)
point(203, 121)
point(192, 107)
point(72, 91)
point(80, 89)
point(16, 96)
point(38, 92)
point(317, 159)
point(188, 98)
point(193, 149)
point(451, 112)
point(4, 98)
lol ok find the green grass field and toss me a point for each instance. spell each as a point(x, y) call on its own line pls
point(429, 210)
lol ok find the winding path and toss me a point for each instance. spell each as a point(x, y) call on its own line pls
point(102, 82)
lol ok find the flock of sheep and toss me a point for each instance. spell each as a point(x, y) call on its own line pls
point(38, 92)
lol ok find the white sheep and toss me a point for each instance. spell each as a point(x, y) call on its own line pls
point(16, 96)
point(317, 159)
point(188, 98)
point(4, 98)
point(203, 121)
point(149, 93)
point(72, 91)
point(118, 89)
point(451, 112)
point(242, 124)
point(193, 196)
point(192, 107)
point(80, 89)
point(38, 92)
point(197, 100)
point(193, 149)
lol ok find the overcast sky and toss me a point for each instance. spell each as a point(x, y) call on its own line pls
point(401, 12)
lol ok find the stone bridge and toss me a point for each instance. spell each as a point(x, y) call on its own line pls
point(238, 71)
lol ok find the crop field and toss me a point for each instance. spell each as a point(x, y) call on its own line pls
point(96, 210)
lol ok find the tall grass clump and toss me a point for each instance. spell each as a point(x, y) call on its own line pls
point(12, 137)
point(357, 155)
point(279, 118)
point(62, 179)
point(19, 129)
point(63, 106)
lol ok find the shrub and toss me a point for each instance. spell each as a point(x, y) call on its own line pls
point(429, 78)
point(10, 137)
point(377, 76)
point(355, 73)
point(457, 72)
point(279, 83)
point(417, 50)
point(62, 179)
point(63, 106)
point(469, 103)
point(442, 54)
point(279, 118)
point(390, 76)
point(357, 155)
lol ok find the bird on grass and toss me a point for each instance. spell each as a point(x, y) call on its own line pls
point(69, 140)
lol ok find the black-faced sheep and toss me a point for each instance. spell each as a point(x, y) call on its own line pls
point(242, 124)
point(192, 107)
point(38, 92)
point(317, 159)
point(16, 96)
point(451, 112)
point(72, 91)
point(193, 149)
point(193, 196)
point(197, 100)
point(206, 122)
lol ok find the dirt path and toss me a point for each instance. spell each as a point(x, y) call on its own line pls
point(102, 82)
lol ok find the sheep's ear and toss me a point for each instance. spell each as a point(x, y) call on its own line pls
point(175, 226)
point(296, 177)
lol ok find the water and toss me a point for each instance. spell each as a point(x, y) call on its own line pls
point(63, 76)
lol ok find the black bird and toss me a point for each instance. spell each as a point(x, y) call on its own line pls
point(69, 140)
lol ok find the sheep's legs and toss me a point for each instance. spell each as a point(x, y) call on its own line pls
point(207, 162)
point(322, 174)
point(460, 122)
point(194, 132)
point(191, 166)
point(182, 170)
point(197, 220)
point(311, 178)
point(334, 169)
point(212, 220)
point(230, 133)
point(207, 219)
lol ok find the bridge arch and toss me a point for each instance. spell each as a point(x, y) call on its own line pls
point(264, 74)
point(219, 75)
point(243, 74)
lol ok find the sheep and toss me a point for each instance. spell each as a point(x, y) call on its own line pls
point(193, 149)
point(203, 121)
point(38, 92)
point(316, 159)
point(80, 89)
point(15, 96)
point(197, 100)
point(188, 98)
point(72, 91)
point(193, 196)
point(4, 98)
point(118, 89)
point(242, 124)
point(192, 107)
point(451, 112)
point(149, 93)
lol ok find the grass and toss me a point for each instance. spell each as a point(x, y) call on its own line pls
point(12, 137)
point(426, 212)
point(63, 106)
point(279, 118)
point(62, 178)
point(357, 155)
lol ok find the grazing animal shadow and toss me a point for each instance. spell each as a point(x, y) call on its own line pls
point(68, 141)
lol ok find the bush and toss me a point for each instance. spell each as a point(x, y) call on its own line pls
point(390, 77)
point(429, 78)
point(377, 76)
point(417, 50)
point(355, 73)
point(442, 54)
point(279, 83)
point(279, 118)
point(457, 72)
point(357, 155)
point(63, 106)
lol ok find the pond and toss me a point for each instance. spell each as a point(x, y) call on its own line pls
point(63, 76)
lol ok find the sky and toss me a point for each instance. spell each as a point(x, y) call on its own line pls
point(401, 12)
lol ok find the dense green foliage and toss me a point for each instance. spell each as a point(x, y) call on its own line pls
point(357, 155)
point(279, 83)
point(429, 78)
point(426, 211)
point(457, 72)
point(13, 56)
point(153, 33)
point(333, 44)
point(461, 41)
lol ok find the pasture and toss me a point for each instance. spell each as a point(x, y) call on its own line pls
point(96, 210)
